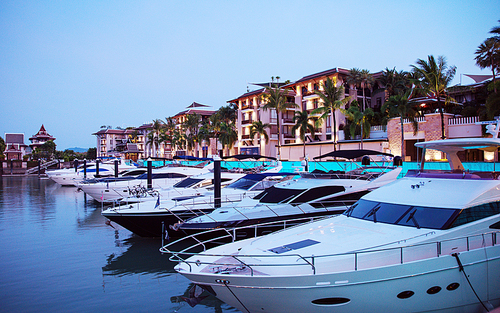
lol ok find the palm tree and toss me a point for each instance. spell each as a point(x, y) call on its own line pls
point(394, 82)
point(488, 55)
point(360, 118)
point(436, 76)
point(190, 127)
point(276, 99)
point(365, 80)
point(205, 133)
point(333, 99)
point(260, 128)
point(402, 106)
point(228, 135)
point(152, 141)
point(156, 128)
point(302, 121)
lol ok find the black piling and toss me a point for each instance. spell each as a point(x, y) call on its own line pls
point(39, 167)
point(75, 163)
point(150, 174)
point(85, 168)
point(96, 168)
point(116, 168)
point(217, 184)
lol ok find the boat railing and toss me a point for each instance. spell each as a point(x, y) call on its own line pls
point(200, 242)
point(455, 174)
point(317, 264)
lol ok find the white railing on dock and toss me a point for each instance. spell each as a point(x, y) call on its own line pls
point(418, 119)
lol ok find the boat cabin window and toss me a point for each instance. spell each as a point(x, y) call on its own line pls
point(163, 175)
point(277, 195)
point(405, 215)
point(477, 213)
point(316, 193)
point(188, 182)
point(242, 183)
point(262, 185)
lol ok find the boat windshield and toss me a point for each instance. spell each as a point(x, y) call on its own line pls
point(242, 183)
point(188, 182)
point(404, 215)
point(278, 195)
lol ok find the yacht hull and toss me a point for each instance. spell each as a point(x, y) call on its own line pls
point(431, 285)
point(151, 224)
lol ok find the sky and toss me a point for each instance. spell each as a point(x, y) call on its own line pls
point(75, 66)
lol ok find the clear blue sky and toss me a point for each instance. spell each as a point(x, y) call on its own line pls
point(76, 65)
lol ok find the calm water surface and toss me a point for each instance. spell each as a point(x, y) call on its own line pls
point(58, 255)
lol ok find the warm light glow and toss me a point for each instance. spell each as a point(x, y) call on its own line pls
point(489, 156)
point(422, 105)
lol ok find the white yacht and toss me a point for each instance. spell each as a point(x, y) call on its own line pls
point(153, 218)
point(72, 176)
point(428, 242)
point(135, 189)
point(313, 194)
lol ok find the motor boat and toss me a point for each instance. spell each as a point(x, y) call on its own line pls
point(313, 194)
point(73, 176)
point(135, 189)
point(153, 218)
point(427, 242)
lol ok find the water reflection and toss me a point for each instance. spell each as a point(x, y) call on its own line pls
point(141, 257)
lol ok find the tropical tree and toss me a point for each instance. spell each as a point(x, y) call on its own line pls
point(259, 128)
point(302, 121)
point(155, 130)
point(358, 118)
point(333, 99)
point(394, 82)
point(364, 80)
point(488, 55)
point(205, 132)
point(153, 142)
point(227, 136)
point(2, 148)
point(401, 106)
point(190, 127)
point(276, 98)
point(436, 77)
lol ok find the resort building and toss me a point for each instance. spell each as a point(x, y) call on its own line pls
point(140, 142)
point(15, 149)
point(302, 93)
point(40, 138)
point(201, 149)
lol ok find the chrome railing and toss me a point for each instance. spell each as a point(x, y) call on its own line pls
point(350, 261)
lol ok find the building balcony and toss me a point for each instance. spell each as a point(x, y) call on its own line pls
point(244, 122)
point(288, 120)
point(245, 137)
point(288, 135)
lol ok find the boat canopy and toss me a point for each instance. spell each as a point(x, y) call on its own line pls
point(352, 154)
point(247, 156)
point(191, 158)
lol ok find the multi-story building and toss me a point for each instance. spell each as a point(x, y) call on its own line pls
point(40, 138)
point(302, 93)
point(132, 143)
point(201, 149)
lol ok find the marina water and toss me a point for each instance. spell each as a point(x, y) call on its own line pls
point(58, 255)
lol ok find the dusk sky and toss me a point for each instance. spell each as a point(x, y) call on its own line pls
point(77, 65)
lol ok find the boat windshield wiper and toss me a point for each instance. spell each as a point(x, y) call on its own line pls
point(413, 219)
point(373, 212)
